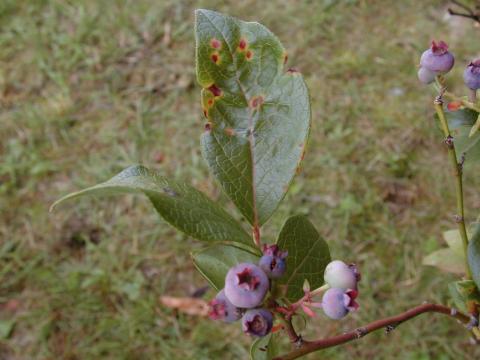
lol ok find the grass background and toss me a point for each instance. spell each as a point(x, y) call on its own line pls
point(88, 88)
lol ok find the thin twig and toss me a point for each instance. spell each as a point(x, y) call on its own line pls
point(388, 323)
point(457, 172)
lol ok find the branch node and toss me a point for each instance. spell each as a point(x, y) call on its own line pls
point(449, 141)
point(458, 219)
point(391, 327)
point(299, 342)
point(360, 332)
point(472, 323)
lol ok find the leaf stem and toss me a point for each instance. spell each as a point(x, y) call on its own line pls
point(390, 323)
point(457, 171)
point(256, 236)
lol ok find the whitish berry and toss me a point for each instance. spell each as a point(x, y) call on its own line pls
point(437, 58)
point(337, 303)
point(246, 285)
point(340, 275)
point(222, 309)
point(426, 76)
point(471, 75)
point(257, 322)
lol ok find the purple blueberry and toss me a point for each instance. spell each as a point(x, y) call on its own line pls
point(257, 322)
point(246, 285)
point(222, 309)
point(337, 303)
point(471, 75)
point(437, 58)
point(340, 275)
point(426, 76)
point(273, 261)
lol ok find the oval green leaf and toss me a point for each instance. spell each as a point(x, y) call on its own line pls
point(181, 205)
point(473, 254)
point(308, 255)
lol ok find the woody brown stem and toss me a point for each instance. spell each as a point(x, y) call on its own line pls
point(306, 347)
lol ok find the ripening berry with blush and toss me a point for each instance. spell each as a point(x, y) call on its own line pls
point(426, 76)
point(437, 58)
point(273, 261)
point(340, 275)
point(337, 303)
point(257, 322)
point(222, 309)
point(471, 75)
point(246, 285)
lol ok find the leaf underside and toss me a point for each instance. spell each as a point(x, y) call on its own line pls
point(473, 254)
point(258, 115)
point(181, 205)
point(460, 123)
point(308, 255)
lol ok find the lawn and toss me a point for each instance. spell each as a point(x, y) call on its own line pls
point(89, 87)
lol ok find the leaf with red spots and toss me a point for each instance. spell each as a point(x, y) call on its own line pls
point(240, 66)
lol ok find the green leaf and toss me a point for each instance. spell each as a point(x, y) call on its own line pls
point(451, 259)
point(6, 328)
point(263, 348)
point(458, 301)
point(454, 241)
point(446, 260)
point(215, 261)
point(463, 291)
point(461, 123)
point(181, 205)
point(259, 115)
point(461, 118)
point(308, 255)
point(473, 254)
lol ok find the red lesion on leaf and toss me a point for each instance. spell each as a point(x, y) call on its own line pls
point(215, 57)
point(205, 112)
point(208, 126)
point(215, 90)
point(215, 43)
point(242, 45)
point(256, 101)
point(249, 55)
point(292, 71)
point(230, 131)
point(210, 102)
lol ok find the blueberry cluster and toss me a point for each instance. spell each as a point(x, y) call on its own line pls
point(435, 61)
point(339, 299)
point(438, 60)
point(246, 286)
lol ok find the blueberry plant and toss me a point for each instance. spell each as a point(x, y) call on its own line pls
point(257, 126)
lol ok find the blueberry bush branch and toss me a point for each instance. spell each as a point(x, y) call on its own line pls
point(457, 169)
point(388, 324)
point(257, 123)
